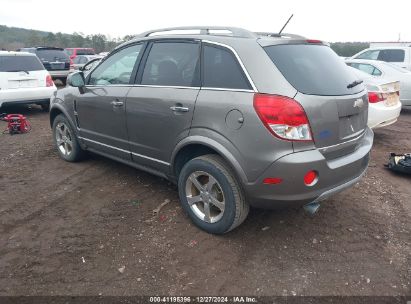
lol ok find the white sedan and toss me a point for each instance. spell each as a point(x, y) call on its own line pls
point(24, 80)
point(383, 97)
point(386, 71)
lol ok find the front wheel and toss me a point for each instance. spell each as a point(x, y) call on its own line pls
point(211, 195)
point(65, 140)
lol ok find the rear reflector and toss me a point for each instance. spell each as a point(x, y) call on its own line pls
point(272, 181)
point(283, 117)
point(310, 178)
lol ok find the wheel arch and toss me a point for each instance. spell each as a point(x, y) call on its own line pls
point(194, 146)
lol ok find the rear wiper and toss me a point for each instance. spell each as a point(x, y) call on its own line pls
point(27, 72)
point(355, 83)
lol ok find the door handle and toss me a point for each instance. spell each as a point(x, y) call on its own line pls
point(179, 109)
point(117, 103)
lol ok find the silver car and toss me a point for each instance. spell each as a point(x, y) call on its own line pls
point(234, 118)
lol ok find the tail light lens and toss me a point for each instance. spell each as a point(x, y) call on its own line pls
point(49, 81)
point(283, 117)
point(374, 97)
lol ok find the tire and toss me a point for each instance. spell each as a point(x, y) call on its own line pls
point(65, 139)
point(227, 207)
point(45, 107)
point(63, 81)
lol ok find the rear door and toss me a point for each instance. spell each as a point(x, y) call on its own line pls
point(335, 102)
point(160, 106)
point(101, 108)
point(53, 59)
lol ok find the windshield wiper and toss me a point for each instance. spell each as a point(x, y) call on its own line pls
point(355, 83)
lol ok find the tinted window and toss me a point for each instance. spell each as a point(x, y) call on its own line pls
point(51, 55)
point(313, 69)
point(20, 63)
point(85, 52)
point(117, 68)
point(371, 55)
point(77, 60)
point(222, 70)
point(392, 55)
point(172, 64)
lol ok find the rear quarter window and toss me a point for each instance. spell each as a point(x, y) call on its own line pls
point(313, 69)
point(20, 63)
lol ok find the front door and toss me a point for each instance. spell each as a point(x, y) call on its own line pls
point(101, 109)
point(160, 107)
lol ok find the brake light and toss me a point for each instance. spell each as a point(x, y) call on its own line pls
point(49, 81)
point(374, 97)
point(283, 117)
point(314, 41)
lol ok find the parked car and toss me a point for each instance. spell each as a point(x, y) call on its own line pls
point(234, 120)
point(74, 52)
point(55, 60)
point(398, 55)
point(81, 60)
point(24, 80)
point(383, 97)
point(387, 71)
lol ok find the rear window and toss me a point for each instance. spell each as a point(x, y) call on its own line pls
point(313, 69)
point(85, 52)
point(51, 55)
point(20, 63)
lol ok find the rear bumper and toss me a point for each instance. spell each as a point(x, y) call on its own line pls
point(333, 176)
point(380, 115)
point(26, 95)
point(59, 73)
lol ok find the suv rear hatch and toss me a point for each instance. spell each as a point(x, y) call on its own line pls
point(19, 71)
point(334, 100)
point(53, 58)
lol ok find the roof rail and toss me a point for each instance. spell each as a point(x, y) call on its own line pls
point(282, 35)
point(205, 30)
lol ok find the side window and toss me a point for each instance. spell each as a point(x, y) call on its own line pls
point(222, 70)
point(371, 55)
point(172, 64)
point(392, 55)
point(367, 68)
point(117, 68)
point(77, 60)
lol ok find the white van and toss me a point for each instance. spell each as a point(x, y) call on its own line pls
point(24, 80)
point(398, 55)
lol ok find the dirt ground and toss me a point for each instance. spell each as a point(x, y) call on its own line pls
point(88, 229)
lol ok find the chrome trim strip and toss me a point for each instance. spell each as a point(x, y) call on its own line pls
point(150, 158)
point(238, 59)
point(125, 151)
point(226, 89)
point(343, 143)
point(140, 85)
point(105, 145)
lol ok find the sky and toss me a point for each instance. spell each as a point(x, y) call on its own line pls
point(332, 21)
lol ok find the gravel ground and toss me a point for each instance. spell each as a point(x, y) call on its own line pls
point(88, 229)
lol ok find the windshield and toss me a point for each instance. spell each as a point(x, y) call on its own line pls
point(314, 69)
point(20, 63)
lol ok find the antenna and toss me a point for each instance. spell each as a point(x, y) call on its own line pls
point(279, 33)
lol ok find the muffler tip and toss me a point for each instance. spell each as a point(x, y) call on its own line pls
point(312, 208)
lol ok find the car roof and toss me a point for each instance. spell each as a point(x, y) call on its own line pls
point(221, 34)
point(11, 53)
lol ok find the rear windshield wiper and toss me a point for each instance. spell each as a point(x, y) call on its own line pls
point(355, 83)
point(11, 71)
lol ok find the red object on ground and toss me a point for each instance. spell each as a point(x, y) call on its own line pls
point(16, 124)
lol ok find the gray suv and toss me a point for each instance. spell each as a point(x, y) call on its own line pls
point(234, 118)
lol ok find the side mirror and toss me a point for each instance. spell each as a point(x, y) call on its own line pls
point(76, 80)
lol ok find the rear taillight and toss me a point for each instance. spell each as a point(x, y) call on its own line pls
point(283, 117)
point(49, 81)
point(374, 97)
point(71, 64)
